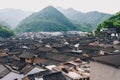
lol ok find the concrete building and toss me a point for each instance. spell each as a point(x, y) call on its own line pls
point(105, 67)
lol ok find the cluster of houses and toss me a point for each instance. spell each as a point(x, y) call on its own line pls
point(51, 34)
point(113, 32)
point(61, 57)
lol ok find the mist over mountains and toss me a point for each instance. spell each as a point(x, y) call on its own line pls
point(13, 16)
point(48, 19)
point(89, 20)
point(51, 20)
point(4, 23)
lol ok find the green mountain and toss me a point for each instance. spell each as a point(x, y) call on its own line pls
point(112, 22)
point(85, 21)
point(5, 32)
point(13, 16)
point(49, 19)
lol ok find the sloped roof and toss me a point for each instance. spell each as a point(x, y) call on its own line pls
point(27, 55)
point(15, 64)
point(45, 49)
point(54, 76)
point(112, 60)
point(3, 71)
point(60, 57)
point(38, 75)
point(51, 62)
point(26, 69)
point(5, 59)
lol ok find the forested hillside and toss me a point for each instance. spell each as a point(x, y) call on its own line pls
point(5, 32)
point(49, 19)
point(85, 21)
point(112, 22)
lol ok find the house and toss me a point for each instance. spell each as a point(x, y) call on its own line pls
point(12, 76)
point(74, 70)
point(108, 30)
point(107, 48)
point(45, 75)
point(2, 53)
point(18, 66)
point(3, 71)
point(105, 67)
point(57, 58)
point(5, 59)
point(115, 32)
point(16, 71)
point(35, 70)
point(63, 48)
point(27, 57)
point(37, 76)
point(45, 48)
point(118, 33)
point(54, 76)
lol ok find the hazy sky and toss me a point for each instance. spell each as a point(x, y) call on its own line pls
point(107, 6)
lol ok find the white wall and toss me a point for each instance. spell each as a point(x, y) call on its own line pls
point(99, 71)
point(34, 70)
point(12, 76)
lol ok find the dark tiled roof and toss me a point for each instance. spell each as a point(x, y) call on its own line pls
point(60, 57)
point(39, 74)
point(54, 76)
point(17, 65)
point(88, 47)
point(51, 62)
point(112, 60)
point(14, 53)
point(3, 71)
point(26, 69)
point(64, 48)
point(45, 49)
point(5, 60)
point(27, 55)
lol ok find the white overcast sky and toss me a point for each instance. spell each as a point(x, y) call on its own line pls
point(107, 6)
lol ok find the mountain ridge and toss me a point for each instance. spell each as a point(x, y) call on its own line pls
point(92, 18)
point(48, 19)
point(83, 20)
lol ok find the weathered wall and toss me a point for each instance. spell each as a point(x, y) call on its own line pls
point(100, 71)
